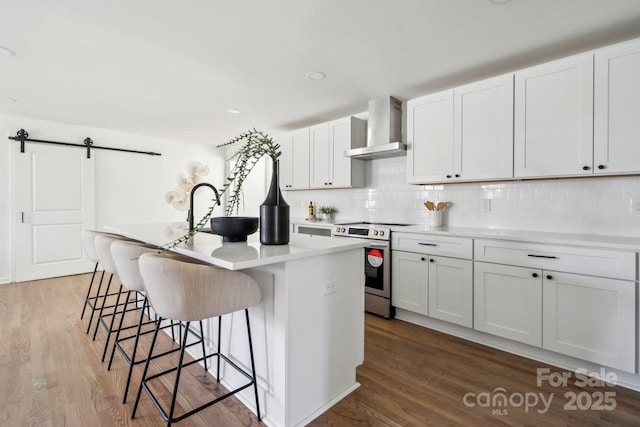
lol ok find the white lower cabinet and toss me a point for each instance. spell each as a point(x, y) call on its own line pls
point(591, 318)
point(451, 290)
point(410, 281)
point(577, 301)
point(508, 302)
point(435, 286)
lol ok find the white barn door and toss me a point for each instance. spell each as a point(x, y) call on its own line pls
point(53, 189)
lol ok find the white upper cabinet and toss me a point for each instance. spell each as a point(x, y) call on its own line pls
point(345, 134)
point(319, 164)
point(430, 138)
point(463, 134)
point(294, 160)
point(617, 109)
point(329, 168)
point(483, 132)
point(553, 133)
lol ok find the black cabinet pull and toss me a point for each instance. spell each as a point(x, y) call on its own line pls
point(601, 166)
point(427, 244)
point(549, 277)
point(543, 256)
point(432, 260)
point(535, 274)
point(423, 259)
point(448, 176)
point(457, 175)
point(585, 168)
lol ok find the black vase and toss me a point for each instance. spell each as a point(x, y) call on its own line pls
point(274, 214)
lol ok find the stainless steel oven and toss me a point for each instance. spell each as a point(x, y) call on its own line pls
point(376, 261)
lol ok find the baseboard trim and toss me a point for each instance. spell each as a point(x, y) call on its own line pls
point(5, 280)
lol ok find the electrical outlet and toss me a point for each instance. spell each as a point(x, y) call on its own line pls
point(328, 288)
point(635, 206)
point(486, 205)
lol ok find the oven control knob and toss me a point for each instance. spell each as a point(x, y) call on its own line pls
point(382, 232)
point(375, 232)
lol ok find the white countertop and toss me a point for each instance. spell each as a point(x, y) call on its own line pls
point(587, 240)
point(236, 256)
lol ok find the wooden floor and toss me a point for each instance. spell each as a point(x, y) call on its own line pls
point(51, 375)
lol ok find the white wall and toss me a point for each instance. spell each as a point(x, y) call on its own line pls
point(130, 188)
point(585, 205)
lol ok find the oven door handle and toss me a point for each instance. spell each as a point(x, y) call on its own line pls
point(427, 244)
point(378, 245)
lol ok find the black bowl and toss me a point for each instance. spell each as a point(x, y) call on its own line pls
point(234, 228)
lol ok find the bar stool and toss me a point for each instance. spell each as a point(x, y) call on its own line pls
point(103, 249)
point(126, 256)
point(88, 242)
point(193, 292)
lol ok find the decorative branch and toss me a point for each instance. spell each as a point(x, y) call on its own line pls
point(255, 145)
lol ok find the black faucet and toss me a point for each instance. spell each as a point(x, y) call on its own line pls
point(193, 190)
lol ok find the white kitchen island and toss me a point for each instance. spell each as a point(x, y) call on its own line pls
point(308, 331)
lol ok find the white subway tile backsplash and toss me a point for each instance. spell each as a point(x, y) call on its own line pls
point(581, 205)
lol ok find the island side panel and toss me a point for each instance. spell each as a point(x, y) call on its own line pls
point(325, 331)
point(268, 331)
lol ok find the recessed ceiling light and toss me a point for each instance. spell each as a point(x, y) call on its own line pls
point(8, 99)
point(316, 75)
point(6, 51)
point(233, 111)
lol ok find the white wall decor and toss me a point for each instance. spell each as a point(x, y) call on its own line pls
point(179, 198)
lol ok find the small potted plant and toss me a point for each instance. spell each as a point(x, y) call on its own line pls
point(327, 212)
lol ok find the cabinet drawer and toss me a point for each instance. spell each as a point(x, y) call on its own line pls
point(594, 262)
point(457, 247)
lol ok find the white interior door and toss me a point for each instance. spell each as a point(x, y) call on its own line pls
point(53, 189)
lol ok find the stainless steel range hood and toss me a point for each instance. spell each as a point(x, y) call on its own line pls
point(384, 131)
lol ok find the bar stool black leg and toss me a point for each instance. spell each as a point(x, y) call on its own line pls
point(104, 301)
point(110, 328)
point(86, 300)
point(183, 346)
point(204, 350)
point(219, 336)
point(133, 353)
point(95, 303)
point(253, 365)
point(146, 367)
point(113, 349)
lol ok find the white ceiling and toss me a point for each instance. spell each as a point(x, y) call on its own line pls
point(172, 68)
